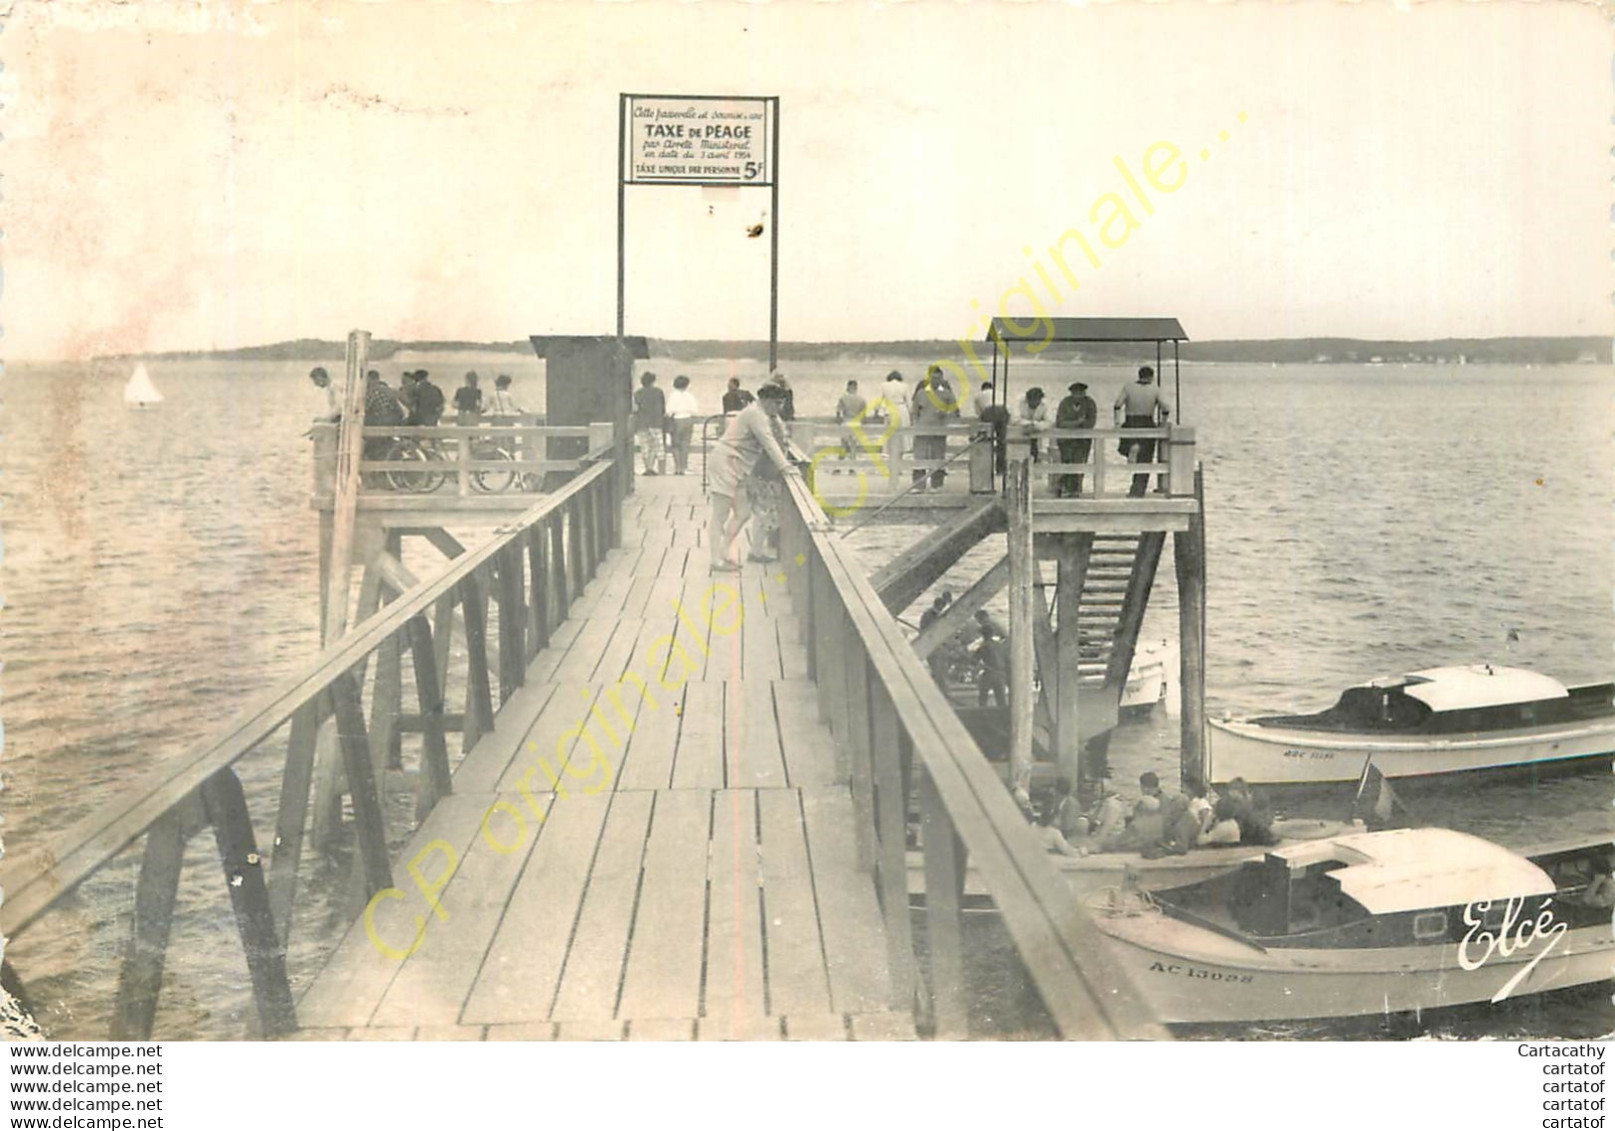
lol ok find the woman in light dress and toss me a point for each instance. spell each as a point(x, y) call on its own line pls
point(895, 393)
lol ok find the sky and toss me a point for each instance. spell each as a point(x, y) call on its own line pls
point(215, 175)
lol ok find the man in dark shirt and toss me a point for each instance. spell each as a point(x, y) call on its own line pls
point(650, 420)
point(734, 397)
point(427, 409)
point(1077, 410)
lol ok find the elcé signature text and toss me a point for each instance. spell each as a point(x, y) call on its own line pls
point(1506, 937)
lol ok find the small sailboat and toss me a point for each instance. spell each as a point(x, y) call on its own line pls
point(140, 392)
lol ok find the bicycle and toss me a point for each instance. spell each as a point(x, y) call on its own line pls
point(416, 480)
point(492, 481)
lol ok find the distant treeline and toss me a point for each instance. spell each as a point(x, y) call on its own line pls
point(1503, 351)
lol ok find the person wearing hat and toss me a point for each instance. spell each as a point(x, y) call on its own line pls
point(1077, 410)
point(1141, 405)
point(787, 411)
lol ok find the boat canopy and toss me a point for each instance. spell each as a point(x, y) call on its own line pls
point(1479, 685)
point(1421, 869)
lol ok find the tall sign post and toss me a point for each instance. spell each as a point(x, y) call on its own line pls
point(704, 140)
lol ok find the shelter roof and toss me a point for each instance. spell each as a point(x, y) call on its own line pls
point(1094, 330)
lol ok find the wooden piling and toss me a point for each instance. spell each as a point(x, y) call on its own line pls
point(1018, 507)
point(1189, 554)
point(1073, 551)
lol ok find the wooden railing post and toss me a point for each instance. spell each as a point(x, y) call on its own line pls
point(855, 671)
point(462, 464)
point(512, 623)
point(538, 593)
point(891, 824)
point(575, 539)
point(944, 884)
point(825, 618)
point(478, 692)
point(367, 814)
point(435, 781)
point(560, 561)
point(1180, 476)
point(226, 807)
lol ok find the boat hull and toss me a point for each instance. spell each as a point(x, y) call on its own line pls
point(1089, 875)
point(1189, 975)
point(1270, 755)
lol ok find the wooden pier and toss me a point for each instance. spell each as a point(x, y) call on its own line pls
point(697, 878)
point(647, 801)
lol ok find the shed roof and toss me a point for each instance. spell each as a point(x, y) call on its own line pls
point(1094, 330)
point(543, 344)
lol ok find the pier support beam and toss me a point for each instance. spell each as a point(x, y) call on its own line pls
point(922, 565)
point(1018, 508)
point(1189, 555)
point(1074, 551)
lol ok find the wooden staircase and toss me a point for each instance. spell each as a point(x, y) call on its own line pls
point(1110, 612)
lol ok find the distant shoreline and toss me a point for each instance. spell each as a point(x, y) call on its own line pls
point(1293, 351)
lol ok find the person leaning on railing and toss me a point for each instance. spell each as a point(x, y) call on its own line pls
point(1141, 405)
point(748, 441)
point(381, 408)
point(1077, 411)
point(328, 401)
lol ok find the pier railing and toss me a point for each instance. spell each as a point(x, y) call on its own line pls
point(892, 725)
point(510, 593)
point(493, 457)
point(892, 459)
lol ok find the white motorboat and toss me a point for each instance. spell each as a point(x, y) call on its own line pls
point(1365, 924)
point(1150, 679)
point(1438, 721)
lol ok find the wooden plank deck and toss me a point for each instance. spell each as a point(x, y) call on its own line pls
point(651, 844)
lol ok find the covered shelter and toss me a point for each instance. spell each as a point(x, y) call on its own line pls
point(1002, 336)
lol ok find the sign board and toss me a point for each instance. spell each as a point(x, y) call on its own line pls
point(699, 140)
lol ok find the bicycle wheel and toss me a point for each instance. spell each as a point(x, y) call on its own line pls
point(429, 481)
point(494, 480)
point(406, 478)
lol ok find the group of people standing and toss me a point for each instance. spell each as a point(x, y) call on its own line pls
point(1139, 405)
point(664, 422)
point(933, 402)
point(746, 466)
point(418, 402)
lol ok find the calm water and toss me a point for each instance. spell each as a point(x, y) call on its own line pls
point(161, 567)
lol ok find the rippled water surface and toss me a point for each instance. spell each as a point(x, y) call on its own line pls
point(160, 566)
